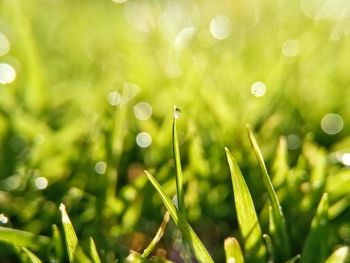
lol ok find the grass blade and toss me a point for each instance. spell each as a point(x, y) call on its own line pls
point(280, 237)
point(70, 236)
point(269, 247)
point(246, 214)
point(188, 233)
point(93, 252)
point(32, 258)
point(23, 238)
point(157, 237)
point(233, 251)
point(179, 177)
point(280, 165)
point(318, 236)
point(57, 243)
point(339, 256)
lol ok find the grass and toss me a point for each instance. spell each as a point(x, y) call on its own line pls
point(70, 119)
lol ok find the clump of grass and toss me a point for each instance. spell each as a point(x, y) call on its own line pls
point(249, 246)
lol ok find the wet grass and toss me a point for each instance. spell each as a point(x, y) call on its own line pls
point(90, 108)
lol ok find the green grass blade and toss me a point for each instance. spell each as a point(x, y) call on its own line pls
point(179, 176)
point(270, 249)
point(23, 238)
point(70, 236)
point(246, 214)
point(317, 238)
point(339, 256)
point(93, 252)
point(57, 243)
point(32, 258)
point(233, 251)
point(188, 233)
point(280, 166)
point(280, 237)
point(157, 237)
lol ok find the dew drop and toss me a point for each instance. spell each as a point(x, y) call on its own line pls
point(332, 123)
point(177, 112)
point(62, 207)
point(220, 27)
point(100, 167)
point(7, 73)
point(258, 89)
point(143, 139)
point(41, 183)
point(143, 111)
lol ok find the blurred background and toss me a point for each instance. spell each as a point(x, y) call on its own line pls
point(87, 90)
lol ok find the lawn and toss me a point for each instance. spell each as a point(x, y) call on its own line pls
point(252, 164)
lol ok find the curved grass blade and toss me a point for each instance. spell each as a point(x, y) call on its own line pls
point(317, 238)
point(32, 258)
point(282, 245)
point(23, 238)
point(233, 251)
point(176, 150)
point(339, 256)
point(93, 252)
point(70, 236)
point(156, 239)
point(246, 214)
point(188, 233)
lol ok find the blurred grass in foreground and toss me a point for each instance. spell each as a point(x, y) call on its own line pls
point(86, 92)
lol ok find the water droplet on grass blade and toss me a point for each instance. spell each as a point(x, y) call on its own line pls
point(258, 89)
point(177, 112)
